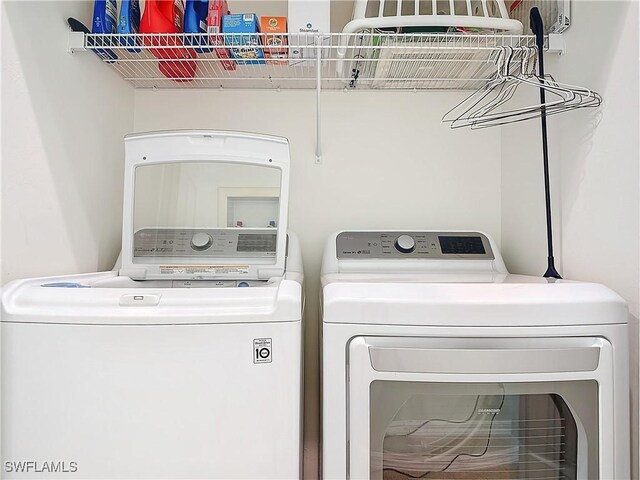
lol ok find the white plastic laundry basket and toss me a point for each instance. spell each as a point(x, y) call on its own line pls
point(422, 16)
point(464, 14)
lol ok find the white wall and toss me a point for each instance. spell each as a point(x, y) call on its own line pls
point(600, 162)
point(63, 119)
point(388, 163)
point(595, 159)
point(599, 154)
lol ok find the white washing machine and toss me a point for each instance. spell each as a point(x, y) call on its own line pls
point(187, 362)
point(437, 363)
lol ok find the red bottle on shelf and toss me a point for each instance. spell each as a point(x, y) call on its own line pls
point(167, 17)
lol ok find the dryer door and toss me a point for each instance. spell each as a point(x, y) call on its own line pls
point(481, 408)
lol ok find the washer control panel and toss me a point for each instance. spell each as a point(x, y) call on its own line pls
point(210, 243)
point(395, 245)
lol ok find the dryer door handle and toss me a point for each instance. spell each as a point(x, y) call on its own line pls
point(485, 360)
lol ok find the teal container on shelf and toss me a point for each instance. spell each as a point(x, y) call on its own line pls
point(129, 23)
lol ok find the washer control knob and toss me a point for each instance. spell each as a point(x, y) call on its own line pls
point(405, 244)
point(201, 241)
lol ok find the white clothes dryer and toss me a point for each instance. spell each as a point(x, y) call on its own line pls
point(437, 363)
point(187, 362)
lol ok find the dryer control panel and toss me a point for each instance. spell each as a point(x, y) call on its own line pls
point(423, 245)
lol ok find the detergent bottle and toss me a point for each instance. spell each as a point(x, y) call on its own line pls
point(167, 17)
point(129, 23)
point(105, 13)
point(195, 21)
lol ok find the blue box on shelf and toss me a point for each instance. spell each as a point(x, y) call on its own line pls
point(244, 48)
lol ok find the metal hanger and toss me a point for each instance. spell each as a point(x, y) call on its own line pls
point(480, 95)
point(486, 107)
point(492, 109)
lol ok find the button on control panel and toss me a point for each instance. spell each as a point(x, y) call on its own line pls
point(396, 245)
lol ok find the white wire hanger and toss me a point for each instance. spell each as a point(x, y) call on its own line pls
point(488, 106)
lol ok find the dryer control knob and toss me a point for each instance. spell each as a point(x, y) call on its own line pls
point(201, 241)
point(405, 244)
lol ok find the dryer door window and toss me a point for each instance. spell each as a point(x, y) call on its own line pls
point(483, 431)
point(480, 408)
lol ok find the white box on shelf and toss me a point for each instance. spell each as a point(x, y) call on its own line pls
point(306, 19)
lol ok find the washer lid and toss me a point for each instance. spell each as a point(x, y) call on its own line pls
point(205, 205)
point(511, 301)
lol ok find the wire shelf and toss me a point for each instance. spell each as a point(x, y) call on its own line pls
point(380, 61)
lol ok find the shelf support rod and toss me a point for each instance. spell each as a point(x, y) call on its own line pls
point(318, 89)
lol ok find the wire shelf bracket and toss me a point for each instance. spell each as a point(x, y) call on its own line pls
point(555, 43)
point(76, 42)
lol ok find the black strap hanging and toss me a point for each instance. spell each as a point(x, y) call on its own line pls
point(538, 29)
